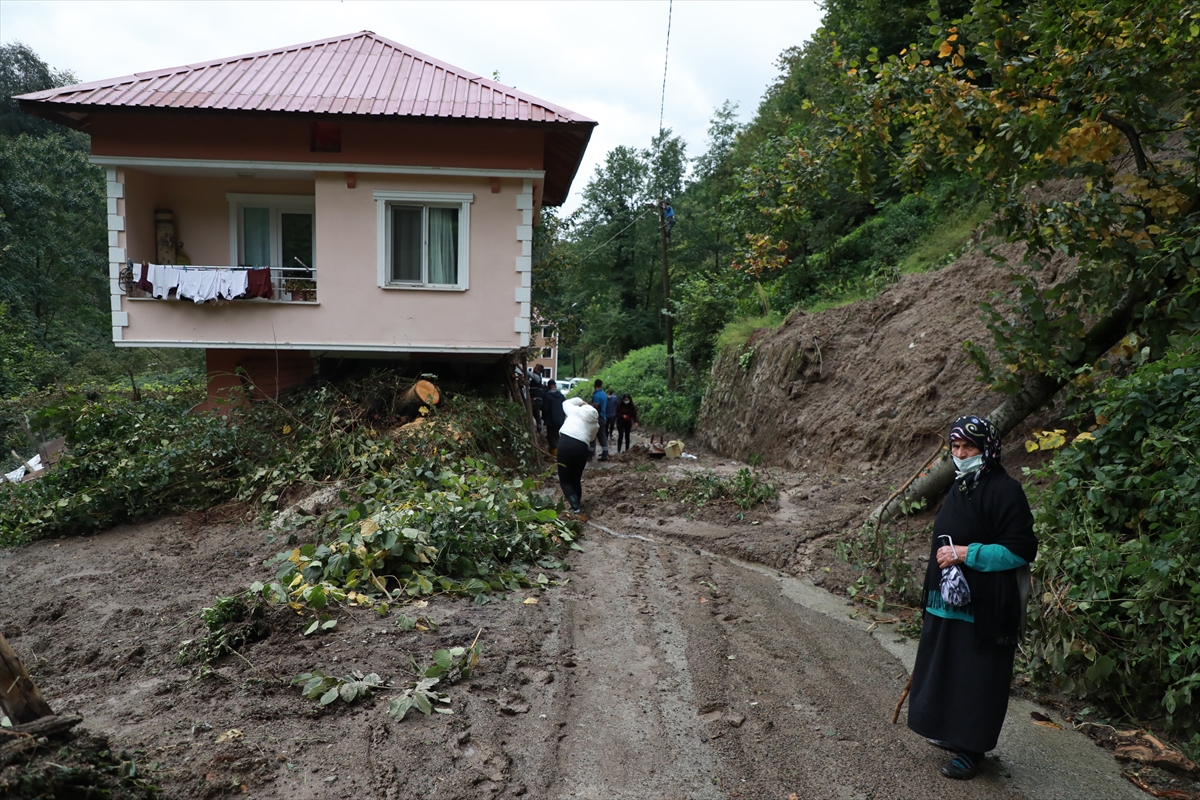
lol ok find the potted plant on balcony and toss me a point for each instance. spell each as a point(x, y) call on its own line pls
point(302, 289)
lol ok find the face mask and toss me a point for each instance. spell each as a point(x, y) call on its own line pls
point(966, 466)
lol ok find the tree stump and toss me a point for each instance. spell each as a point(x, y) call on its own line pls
point(422, 393)
point(20, 698)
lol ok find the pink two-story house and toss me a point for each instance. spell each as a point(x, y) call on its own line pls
point(377, 200)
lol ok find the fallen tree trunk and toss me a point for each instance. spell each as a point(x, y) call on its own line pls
point(1035, 393)
point(20, 698)
point(48, 726)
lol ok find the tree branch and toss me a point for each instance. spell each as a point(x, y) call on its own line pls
point(1132, 135)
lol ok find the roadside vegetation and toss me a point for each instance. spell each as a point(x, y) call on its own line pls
point(643, 375)
point(747, 488)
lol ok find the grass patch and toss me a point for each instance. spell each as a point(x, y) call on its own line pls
point(746, 489)
point(643, 375)
point(737, 333)
point(945, 243)
point(935, 249)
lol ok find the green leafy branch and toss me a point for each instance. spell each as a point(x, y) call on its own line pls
point(448, 667)
point(325, 689)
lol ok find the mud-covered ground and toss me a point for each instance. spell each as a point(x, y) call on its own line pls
point(695, 651)
point(662, 669)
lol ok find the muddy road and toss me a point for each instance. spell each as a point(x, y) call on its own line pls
point(659, 670)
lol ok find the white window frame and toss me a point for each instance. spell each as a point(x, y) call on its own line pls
point(277, 204)
point(385, 200)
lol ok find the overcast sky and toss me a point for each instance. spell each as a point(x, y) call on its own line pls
point(603, 60)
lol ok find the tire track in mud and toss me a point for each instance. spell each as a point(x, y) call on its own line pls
point(690, 677)
point(627, 717)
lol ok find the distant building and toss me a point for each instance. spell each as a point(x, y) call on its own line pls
point(545, 343)
point(379, 200)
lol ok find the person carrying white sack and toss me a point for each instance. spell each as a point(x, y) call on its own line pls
point(574, 446)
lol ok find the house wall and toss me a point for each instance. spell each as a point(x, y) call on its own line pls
point(352, 313)
point(288, 139)
point(200, 208)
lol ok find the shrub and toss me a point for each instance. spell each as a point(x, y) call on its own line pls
point(643, 375)
point(1119, 618)
point(128, 460)
point(461, 526)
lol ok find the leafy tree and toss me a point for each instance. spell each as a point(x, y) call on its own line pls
point(53, 264)
point(22, 72)
point(599, 273)
point(1068, 95)
point(23, 365)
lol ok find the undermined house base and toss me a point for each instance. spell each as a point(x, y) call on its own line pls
point(239, 376)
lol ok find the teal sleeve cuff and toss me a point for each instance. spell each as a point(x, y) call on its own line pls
point(992, 558)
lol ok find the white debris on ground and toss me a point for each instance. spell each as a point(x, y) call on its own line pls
point(18, 474)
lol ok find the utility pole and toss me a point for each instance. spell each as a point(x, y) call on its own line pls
point(666, 280)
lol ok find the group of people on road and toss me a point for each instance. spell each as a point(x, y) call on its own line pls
point(977, 581)
point(575, 428)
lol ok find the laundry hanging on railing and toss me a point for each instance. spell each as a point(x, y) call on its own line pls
point(231, 283)
point(164, 278)
point(201, 284)
point(258, 284)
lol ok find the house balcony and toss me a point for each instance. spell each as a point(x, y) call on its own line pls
point(219, 284)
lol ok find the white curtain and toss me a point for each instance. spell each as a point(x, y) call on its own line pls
point(443, 245)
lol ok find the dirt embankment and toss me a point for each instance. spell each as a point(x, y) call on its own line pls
point(875, 381)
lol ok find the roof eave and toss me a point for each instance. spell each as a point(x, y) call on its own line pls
point(69, 115)
point(556, 191)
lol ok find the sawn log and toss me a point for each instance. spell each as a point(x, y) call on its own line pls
point(20, 698)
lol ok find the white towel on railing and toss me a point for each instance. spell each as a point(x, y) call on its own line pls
point(198, 285)
point(231, 283)
point(163, 278)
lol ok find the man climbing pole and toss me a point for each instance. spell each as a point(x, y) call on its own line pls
point(668, 217)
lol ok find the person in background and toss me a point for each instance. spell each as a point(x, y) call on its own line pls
point(574, 448)
point(537, 391)
point(960, 683)
point(600, 403)
point(626, 419)
point(668, 217)
point(552, 410)
point(610, 413)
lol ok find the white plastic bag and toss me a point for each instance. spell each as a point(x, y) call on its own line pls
point(954, 587)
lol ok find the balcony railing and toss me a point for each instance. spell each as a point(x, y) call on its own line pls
point(200, 284)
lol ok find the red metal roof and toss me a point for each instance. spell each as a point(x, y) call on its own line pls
point(360, 73)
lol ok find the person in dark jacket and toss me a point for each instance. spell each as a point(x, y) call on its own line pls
point(626, 419)
point(960, 682)
point(537, 394)
point(552, 410)
point(610, 413)
point(600, 403)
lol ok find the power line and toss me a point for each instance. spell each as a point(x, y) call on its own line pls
point(636, 220)
point(666, 52)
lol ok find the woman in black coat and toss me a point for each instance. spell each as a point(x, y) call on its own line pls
point(961, 680)
point(626, 419)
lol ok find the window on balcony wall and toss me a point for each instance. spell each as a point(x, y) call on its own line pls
point(269, 230)
point(424, 239)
